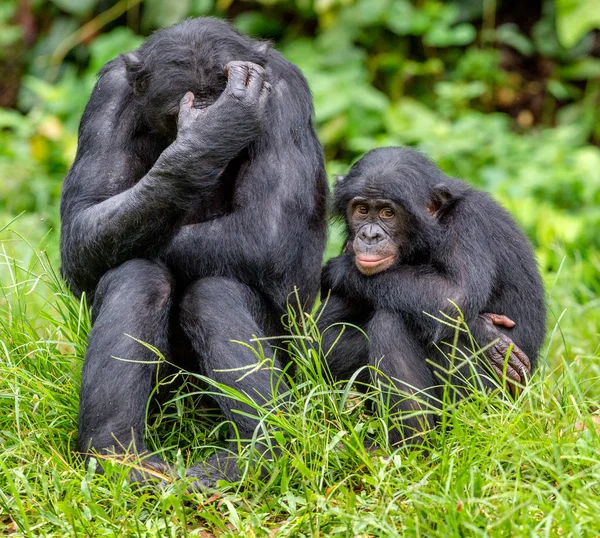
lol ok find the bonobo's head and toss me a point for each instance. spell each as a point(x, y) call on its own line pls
point(394, 202)
point(189, 56)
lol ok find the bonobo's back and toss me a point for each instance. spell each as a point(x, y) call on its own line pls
point(518, 291)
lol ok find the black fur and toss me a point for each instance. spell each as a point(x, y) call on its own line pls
point(466, 249)
point(189, 235)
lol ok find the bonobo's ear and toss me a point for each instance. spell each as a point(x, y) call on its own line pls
point(136, 74)
point(441, 201)
point(263, 47)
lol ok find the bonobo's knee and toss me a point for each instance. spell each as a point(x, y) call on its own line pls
point(137, 284)
point(215, 296)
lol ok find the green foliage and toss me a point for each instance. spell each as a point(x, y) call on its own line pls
point(575, 18)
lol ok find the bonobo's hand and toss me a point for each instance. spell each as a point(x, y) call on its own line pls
point(335, 272)
point(236, 116)
point(518, 368)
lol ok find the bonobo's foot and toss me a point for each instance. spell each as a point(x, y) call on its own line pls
point(220, 466)
point(144, 470)
point(518, 368)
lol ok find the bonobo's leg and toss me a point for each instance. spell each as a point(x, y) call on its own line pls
point(343, 339)
point(215, 312)
point(405, 377)
point(131, 301)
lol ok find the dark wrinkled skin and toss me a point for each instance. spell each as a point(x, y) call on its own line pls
point(420, 242)
point(176, 225)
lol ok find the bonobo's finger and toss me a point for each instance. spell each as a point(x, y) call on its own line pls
point(186, 103)
point(237, 77)
point(520, 361)
point(498, 359)
point(513, 388)
point(256, 80)
point(499, 371)
point(498, 319)
point(264, 94)
point(186, 106)
point(516, 357)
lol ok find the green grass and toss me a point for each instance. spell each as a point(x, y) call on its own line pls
point(494, 467)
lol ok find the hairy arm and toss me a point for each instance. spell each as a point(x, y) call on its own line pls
point(113, 210)
point(260, 239)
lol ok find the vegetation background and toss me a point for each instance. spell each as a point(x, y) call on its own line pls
point(504, 94)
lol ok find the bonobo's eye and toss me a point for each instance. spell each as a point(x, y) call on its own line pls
point(387, 213)
point(361, 209)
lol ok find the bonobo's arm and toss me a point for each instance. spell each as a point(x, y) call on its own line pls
point(108, 216)
point(256, 238)
point(412, 289)
point(275, 208)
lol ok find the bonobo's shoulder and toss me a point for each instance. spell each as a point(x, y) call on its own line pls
point(480, 209)
point(475, 200)
point(113, 73)
point(103, 115)
point(287, 77)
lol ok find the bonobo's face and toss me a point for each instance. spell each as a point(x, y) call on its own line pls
point(160, 82)
point(375, 233)
point(169, 82)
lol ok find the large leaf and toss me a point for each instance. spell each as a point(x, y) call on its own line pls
point(75, 7)
point(160, 14)
point(575, 18)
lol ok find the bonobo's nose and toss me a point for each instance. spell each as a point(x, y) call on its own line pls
point(370, 234)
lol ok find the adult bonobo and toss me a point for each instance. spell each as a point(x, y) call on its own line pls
point(195, 204)
point(416, 241)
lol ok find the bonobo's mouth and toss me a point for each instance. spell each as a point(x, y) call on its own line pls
point(369, 265)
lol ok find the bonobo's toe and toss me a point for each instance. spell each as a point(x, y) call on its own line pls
point(143, 471)
point(206, 474)
point(151, 470)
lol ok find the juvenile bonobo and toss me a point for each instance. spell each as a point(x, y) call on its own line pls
point(417, 240)
point(195, 205)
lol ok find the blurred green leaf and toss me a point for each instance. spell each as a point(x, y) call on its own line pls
point(459, 35)
point(258, 24)
point(575, 18)
point(509, 34)
point(586, 68)
point(108, 46)
point(201, 7)
point(160, 14)
point(76, 7)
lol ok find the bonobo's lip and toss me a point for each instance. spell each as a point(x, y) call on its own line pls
point(366, 264)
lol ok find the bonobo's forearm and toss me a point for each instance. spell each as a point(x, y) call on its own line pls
point(410, 290)
point(108, 217)
point(98, 235)
point(235, 242)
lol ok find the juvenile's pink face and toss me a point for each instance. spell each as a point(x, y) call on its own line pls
point(372, 223)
